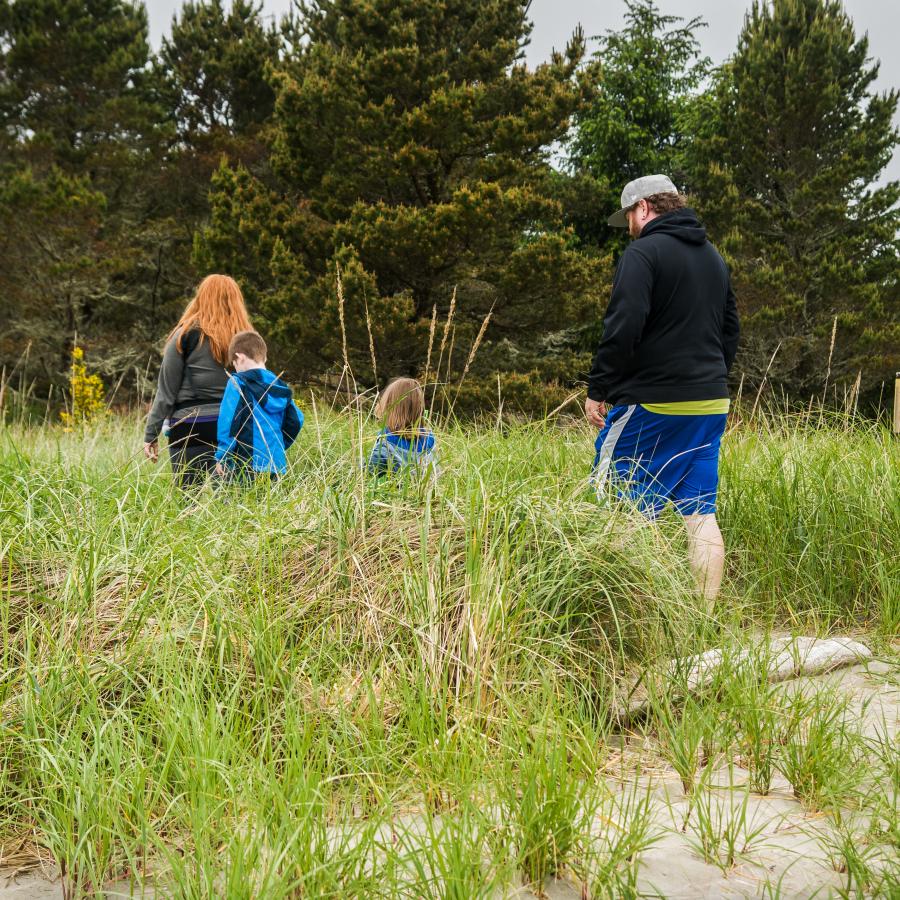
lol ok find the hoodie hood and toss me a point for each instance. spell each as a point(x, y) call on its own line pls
point(267, 389)
point(423, 442)
point(680, 223)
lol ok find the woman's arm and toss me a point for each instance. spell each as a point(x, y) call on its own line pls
point(171, 373)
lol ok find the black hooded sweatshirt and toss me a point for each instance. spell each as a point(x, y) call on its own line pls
point(671, 329)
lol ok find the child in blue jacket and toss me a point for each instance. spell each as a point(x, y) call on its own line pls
point(403, 444)
point(258, 419)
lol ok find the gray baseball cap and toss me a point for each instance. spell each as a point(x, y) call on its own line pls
point(639, 189)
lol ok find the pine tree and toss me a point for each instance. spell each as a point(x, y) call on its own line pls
point(643, 78)
point(81, 127)
point(410, 153)
point(125, 147)
point(790, 144)
point(53, 267)
point(73, 83)
point(211, 77)
point(214, 64)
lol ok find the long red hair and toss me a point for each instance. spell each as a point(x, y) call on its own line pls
point(217, 312)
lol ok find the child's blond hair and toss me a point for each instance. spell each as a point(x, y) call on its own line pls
point(401, 406)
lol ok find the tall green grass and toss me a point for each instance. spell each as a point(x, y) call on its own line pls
point(340, 687)
point(812, 516)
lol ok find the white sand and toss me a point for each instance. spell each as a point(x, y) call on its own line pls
point(786, 852)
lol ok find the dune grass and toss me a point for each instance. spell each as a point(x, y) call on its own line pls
point(340, 687)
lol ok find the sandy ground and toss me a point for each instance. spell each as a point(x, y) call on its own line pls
point(36, 886)
point(785, 855)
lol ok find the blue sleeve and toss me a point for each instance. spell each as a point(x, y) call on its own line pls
point(379, 461)
point(291, 424)
point(227, 409)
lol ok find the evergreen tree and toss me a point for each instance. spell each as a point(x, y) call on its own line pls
point(643, 78)
point(790, 143)
point(80, 128)
point(211, 74)
point(73, 85)
point(214, 64)
point(410, 152)
point(55, 268)
point(125, 150)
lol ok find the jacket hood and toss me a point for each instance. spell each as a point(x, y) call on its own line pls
point(422, 443)
point(680, 223)
point(266, 389)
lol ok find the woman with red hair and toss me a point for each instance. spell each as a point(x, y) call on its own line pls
point(192, 378)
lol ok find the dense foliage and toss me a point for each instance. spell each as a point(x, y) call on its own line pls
point(407, 148)
point(788, 146)
point(632, 125)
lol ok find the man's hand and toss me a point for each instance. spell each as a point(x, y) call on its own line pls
point(220, 470)
point(151, 450)
point(595, 410)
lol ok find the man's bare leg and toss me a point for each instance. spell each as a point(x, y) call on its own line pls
point(707, 554)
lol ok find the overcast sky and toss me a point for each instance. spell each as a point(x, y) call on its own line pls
point(554, 21)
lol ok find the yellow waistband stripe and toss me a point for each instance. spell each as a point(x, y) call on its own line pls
point(690, 407)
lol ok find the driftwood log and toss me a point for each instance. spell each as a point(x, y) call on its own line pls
point(787, 657)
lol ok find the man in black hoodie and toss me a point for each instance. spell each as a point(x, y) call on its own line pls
point(658, 388)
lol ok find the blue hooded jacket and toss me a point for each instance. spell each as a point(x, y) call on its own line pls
point(393, 453)
point(258, 421)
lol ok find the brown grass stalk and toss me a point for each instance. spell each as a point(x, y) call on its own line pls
point(447, 325)
point(371, 343)
point(830, 356)
point(762, 384)
point(340, 297)
point(473, 352)
point(431, 331)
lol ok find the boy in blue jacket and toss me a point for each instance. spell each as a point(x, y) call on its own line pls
point(258, 419)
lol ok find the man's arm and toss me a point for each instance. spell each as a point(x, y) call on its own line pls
point(731, 329)
point(623, 324)
point(227, 409)
point(595, 410)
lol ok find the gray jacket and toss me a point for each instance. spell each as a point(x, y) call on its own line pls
point(191, 383)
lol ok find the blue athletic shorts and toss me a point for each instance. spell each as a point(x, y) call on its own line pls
point(652, 459)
